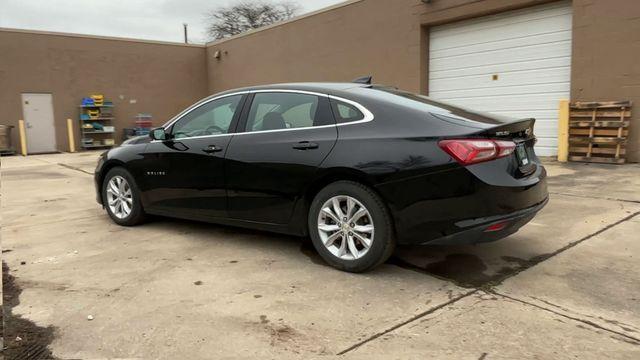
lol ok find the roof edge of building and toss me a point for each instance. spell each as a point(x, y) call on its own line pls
point(98, 37)
point(294, 19)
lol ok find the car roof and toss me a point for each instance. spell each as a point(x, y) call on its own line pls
point(319, 87)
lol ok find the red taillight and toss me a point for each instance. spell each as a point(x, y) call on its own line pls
point(497, 226)
point(473, 151)
point(505, 147)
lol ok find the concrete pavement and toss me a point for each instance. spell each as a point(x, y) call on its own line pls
point(565, 286)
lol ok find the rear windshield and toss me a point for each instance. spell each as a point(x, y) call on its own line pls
point(437, 107)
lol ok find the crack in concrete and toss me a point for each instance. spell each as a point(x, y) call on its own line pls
point(555, 306)
point(623, 326)
point(539, 259)
point(489, 289)
point(75, 168)
point(596, 197)
point(19, 226)
point(405, 322)
point(588, 322)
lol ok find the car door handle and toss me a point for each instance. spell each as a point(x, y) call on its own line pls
point(305, 145)
point(212, 149)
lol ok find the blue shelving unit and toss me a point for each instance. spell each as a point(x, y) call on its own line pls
point(92, 138)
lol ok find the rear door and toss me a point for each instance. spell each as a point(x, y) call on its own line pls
point(280, 143)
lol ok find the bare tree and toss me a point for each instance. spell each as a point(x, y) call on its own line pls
point(246, 15)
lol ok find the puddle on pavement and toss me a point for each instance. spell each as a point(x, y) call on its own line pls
point(465, 270)
point(23, 339)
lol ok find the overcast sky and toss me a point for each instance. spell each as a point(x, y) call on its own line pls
point(141, 19)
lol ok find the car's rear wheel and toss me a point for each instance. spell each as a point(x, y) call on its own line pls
point(121, 198)
point(350, 227)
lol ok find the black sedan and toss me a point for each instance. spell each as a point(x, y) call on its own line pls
point(357, 167)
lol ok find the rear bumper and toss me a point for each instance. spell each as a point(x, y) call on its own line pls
point(475, 231)
point(455, 205)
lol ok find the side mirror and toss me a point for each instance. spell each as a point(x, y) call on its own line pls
point(158, 134)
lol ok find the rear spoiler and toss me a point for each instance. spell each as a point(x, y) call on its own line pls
point(516, 129)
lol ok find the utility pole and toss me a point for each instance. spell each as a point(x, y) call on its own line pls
point(186, 39)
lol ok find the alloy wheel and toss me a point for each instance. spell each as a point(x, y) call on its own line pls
point(346, 227)
point(119, 197)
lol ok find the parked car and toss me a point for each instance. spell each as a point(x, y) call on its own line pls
point(357, 167)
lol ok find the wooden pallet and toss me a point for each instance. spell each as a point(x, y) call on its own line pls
point(598, 131)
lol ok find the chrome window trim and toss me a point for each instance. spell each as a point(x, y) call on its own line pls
point(368, 116)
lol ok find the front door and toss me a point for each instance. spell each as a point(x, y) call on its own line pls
point(38, 118)
point(185, 174)
point(275, 154)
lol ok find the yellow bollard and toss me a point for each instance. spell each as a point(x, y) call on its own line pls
point(72, 142)
point(23, 138)
point(563, 131)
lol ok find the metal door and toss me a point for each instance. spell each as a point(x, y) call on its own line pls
point(38, 117)
point(516, 63)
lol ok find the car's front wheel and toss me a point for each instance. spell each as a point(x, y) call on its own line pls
point(350, 227)
point(121, 198)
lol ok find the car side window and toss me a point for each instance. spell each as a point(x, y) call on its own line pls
point(345, 112)
point(280, 110)
point(212, 118)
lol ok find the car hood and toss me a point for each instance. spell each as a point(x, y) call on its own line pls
point(143, 139)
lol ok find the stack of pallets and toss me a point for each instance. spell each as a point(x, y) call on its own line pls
point(598, 131)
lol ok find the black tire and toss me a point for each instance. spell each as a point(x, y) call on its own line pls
point(137, 214)
point(384, 241)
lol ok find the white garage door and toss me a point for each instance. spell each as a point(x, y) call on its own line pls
point(515, 63)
